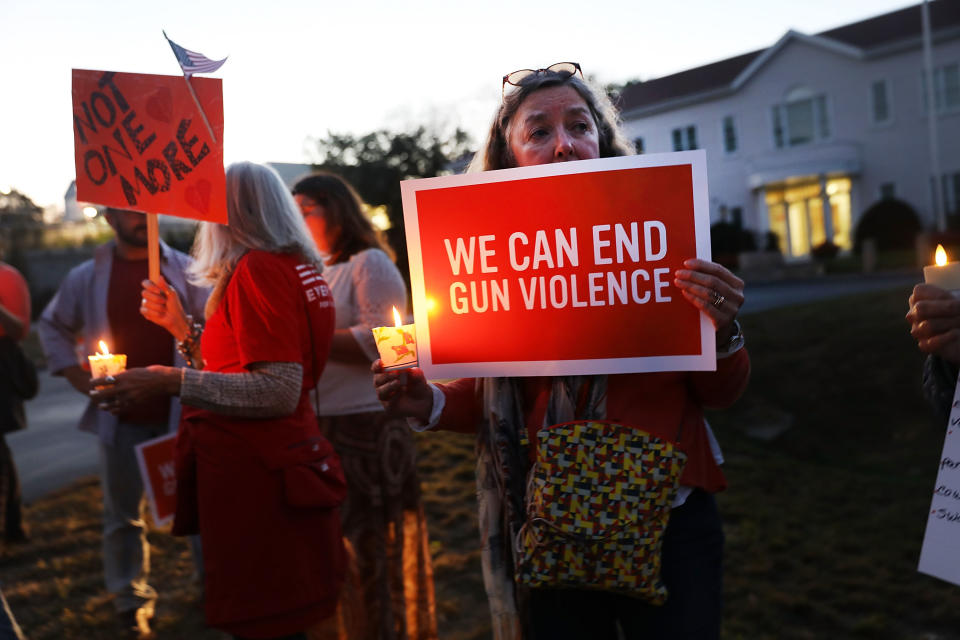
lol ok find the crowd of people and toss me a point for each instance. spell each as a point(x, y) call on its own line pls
point(295, 460)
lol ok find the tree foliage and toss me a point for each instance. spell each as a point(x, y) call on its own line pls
point(375, 163)
point(18, 210)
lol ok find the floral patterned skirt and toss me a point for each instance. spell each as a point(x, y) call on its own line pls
point(388, 594)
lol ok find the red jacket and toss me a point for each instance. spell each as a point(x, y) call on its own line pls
point(665, 404)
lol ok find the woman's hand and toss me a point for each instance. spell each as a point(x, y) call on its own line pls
point(129, 388)
point(160, 305)
point(711, 288)
point(934, 318)
point(404, 393)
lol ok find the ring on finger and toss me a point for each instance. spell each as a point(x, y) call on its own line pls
point(718, 299)
point(110, 380)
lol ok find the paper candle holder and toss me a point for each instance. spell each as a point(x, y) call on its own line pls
point(105, 363)
point(397, 346)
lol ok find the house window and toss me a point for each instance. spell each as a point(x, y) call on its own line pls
point(638, 144)
point(946, 88)
point(888, 191)
point(802, 119)
point(880, 102)
point(684, 138)
point(729, 135)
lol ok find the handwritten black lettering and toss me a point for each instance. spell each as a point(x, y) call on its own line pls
point(89, 122)
point(100, 98)
point(106, 80)
point(947, 492)
point(93, 154)
point(122, 151)
point(187, 145)
point(180, 170)
point(947, 463)
point(949, 516)
point(134, 133)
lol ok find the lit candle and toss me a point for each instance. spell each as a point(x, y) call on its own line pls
point(397, 344)
point(105, 363)
point(943, 274)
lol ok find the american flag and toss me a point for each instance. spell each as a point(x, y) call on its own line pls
point(192, 62)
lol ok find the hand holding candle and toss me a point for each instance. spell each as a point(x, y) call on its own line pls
point(397, 344)
point(943, 274)
point(105, 363)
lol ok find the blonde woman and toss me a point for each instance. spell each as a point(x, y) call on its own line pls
point(272, 551)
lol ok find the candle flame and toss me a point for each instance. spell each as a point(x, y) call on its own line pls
point(103, 349)
point(397, 322)
point(941, 256)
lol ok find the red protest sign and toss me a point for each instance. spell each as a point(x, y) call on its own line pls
point(559, 269)
point(141, 143)
point(155, 459)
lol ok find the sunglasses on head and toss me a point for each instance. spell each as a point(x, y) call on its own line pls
point(562, 69)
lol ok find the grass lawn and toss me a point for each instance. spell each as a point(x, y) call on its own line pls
point(831, 459)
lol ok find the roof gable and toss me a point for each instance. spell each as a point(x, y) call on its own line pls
point(718, 78)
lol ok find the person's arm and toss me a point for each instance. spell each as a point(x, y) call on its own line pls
point(15, 308)
point(940, 383)
point(58, 327)
point(268, 390)
point(377, 288)
point(12, 325)
point(934, 319)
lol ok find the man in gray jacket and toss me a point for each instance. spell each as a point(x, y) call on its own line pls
point(100, 300)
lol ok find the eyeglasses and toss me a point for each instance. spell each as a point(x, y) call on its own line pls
point(562, 69)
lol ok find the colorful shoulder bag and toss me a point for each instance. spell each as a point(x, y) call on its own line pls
point(598, 498)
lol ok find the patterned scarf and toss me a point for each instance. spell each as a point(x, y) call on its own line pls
point(502, 467)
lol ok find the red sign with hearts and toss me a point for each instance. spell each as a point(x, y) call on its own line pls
point(141, 143)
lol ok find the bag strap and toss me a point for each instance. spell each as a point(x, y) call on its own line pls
point(528, 436)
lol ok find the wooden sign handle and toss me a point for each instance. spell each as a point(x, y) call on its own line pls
point(153, 246)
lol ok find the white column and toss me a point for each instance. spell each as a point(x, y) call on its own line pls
point(827, 211)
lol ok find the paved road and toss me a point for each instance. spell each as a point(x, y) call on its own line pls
point(763, 296)
point(52, 453)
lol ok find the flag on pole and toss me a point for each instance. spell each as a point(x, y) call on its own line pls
point(192, 62)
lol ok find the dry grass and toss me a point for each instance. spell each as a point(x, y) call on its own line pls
point(823, 522)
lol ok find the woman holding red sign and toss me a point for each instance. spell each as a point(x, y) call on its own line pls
point(255, 477)
point(553, 115)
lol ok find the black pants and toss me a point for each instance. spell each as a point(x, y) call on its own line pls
point(10, 505)
point(691, 570)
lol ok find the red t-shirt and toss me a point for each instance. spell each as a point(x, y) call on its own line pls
point(263, 317)
point(266, 572)
point(15, 296)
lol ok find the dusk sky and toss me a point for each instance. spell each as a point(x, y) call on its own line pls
point(298, 69)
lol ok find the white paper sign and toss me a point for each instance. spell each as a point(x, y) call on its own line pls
point(940, 554)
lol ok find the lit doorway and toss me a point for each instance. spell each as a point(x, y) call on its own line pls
point(798, 215)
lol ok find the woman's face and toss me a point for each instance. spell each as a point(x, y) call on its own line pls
point(314, 214)
point(553, 125)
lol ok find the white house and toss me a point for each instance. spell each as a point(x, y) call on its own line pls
point(805, 135)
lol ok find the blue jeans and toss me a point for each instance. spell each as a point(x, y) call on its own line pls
point(691, 570)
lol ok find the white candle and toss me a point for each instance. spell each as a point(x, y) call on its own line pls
point(397, 344)
point(105, 363)
point(943, 274)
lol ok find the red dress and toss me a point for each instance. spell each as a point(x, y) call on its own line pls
point(271, 569)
